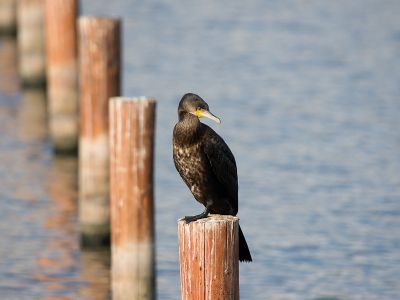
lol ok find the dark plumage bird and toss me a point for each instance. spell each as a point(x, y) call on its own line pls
point(206, 164)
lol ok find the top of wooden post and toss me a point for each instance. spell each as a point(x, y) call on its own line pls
point(133, 99)
point(97, 18)
point(214, 219)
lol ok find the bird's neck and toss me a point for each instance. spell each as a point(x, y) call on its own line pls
point(188, 127)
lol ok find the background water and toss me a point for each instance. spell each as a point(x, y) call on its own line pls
point(309, 97)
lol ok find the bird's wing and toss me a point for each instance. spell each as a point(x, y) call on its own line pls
point(223, 164)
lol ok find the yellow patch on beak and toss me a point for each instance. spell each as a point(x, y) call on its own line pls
point(203, 113)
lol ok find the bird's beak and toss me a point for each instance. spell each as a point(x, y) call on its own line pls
point(206, 114)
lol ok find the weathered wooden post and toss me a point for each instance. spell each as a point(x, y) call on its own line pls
point(62, 77)
point(99, 74)
point(30, 36)
point(8, 16)
point(209, 258)
point(131, 183)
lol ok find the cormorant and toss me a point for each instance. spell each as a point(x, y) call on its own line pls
point(206, 164)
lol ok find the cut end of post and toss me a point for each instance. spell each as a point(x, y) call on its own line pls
point(141, 99)
point(211, 218)
point(89, 18)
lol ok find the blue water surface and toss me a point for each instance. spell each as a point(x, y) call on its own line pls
point(308, 93)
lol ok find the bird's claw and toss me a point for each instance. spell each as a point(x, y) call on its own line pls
point(189, 219)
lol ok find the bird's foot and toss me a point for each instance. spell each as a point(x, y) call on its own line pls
point(189, 219)
point(203, 215)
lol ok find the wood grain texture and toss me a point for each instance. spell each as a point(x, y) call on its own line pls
point(209, 258)
point(99, 79)
point(131, 186)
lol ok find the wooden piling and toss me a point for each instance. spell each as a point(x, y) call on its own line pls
point(131, 184)
point(209, 258)
point(99, 77)
point(62, 77)
point(31, 44)
point(8, 16)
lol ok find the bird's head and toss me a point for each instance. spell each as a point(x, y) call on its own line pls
point(194, 105)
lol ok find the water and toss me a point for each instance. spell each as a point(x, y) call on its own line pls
point(308, 94)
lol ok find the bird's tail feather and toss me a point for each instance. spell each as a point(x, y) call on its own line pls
point(244, 252)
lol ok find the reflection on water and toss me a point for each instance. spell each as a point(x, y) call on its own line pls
point(58, 256)
point(40, 255)
point(32, 118)
point(9, 80)
point(96, 272)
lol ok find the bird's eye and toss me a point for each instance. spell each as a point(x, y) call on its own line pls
point(199, 108)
